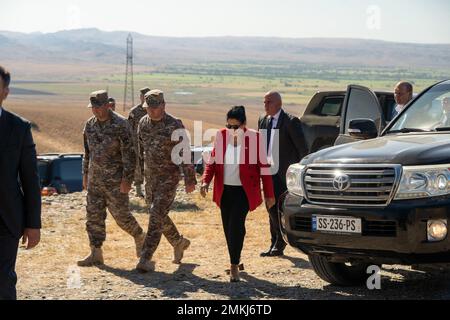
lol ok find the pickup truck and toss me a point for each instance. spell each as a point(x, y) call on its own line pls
point(60, 173)
point(321, 121)
point(198, 153)
point(382, 199)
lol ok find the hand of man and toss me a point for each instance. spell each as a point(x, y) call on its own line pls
point(125, 187)
point(204, 190)
point(85, 181)
point(270, 202)
point(31, 237)
point(190, 188)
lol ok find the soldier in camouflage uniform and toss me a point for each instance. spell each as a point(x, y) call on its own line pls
point(108, 169)
point(136, 114)
point(112, 103)
point(162, 176)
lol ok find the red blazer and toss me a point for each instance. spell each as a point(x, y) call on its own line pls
point(252, 168)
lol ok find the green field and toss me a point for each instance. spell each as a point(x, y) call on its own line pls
point(191, 93)
point(195, 86)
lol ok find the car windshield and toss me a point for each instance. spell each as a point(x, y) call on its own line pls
point(431, 112)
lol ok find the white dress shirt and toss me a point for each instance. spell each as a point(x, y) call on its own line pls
point(272, 134)
point(1, 111)
point(231, 166)
point(398, 108)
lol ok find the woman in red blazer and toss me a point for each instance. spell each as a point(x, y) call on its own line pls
point(238, 164)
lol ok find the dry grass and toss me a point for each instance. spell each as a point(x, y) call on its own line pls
point(59, 120)
point(50, 271)
point(45, 272)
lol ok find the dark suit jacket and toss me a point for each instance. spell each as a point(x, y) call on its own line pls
point(292, 142)
point(20, 194)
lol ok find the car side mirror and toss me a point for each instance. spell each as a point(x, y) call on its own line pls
point(363, 129)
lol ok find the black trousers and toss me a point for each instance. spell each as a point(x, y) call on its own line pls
point(234, 208)
point(8, 254)
point(277, 241)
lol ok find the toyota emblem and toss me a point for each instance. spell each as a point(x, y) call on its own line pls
point(341, 182)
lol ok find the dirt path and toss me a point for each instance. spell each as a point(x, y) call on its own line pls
point(49, 272)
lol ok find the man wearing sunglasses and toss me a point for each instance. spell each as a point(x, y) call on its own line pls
point(162, 175)
point(108, 172)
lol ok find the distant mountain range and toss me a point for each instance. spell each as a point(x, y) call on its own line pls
point(96, 46)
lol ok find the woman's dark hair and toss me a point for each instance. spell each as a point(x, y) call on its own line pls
point(238, 113)
point(6, 77)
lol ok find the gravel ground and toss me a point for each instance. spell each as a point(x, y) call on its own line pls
point(50, 271)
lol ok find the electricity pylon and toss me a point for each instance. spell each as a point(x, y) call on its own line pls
point(129, 80)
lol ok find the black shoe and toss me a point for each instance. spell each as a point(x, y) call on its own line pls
point(276, 253)
point(266, 253)
point(273, 253)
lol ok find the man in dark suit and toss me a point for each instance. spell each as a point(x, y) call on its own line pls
point(285, 146)
point(20, 195)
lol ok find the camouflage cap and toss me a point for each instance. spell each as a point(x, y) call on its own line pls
point(98, 98)
point(144, 90)
point(153, 99)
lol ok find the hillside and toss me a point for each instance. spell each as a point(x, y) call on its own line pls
point(95, 47)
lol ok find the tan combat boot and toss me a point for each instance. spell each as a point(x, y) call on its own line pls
point(178, 250)
point(95, 257)
point(145, 265)
point(139, 241)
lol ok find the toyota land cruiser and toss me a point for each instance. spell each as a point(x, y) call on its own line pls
point(384, 199)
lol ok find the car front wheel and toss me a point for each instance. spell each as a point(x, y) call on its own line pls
point(340, 274)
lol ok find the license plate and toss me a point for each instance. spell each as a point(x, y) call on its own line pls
point(340, 225)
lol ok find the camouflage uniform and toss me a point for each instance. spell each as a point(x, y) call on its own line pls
point(136, 114)
point(161, 178)
point(109, 158)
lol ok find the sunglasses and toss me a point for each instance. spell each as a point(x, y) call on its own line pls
point(96, 104)
point(234, 127)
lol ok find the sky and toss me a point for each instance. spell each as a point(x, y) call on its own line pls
point(416, 21)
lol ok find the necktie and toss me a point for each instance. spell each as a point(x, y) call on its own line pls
point(269, 132)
